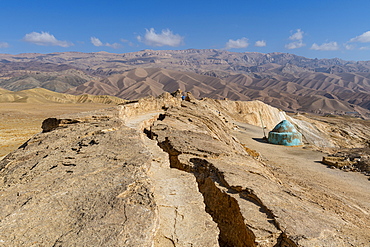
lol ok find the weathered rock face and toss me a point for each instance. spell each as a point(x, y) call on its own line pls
point(249, 204)
point(333, 132)
point(165, 172)
point(83, 185)
point(251, 112)
point(86, 181)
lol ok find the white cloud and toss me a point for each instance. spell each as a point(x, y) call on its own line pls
point(128, 42)
point(363, 38)
point(236, 44)
point(298, 35)
point(46, 39)
point(349, 47)
point(295, 45)
point(95, 41)
point(4, 45)
point(330, 46)
point(166, 38)
point(298, 40)
point(364, 48)
point(114, 45)
point(260, 43)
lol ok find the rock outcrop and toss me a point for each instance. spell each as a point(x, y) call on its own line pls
point(166, 172)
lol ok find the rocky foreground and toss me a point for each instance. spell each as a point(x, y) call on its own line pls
point(168, 172)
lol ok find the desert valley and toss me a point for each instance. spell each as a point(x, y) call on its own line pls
point(168, 148)
point(286, 81)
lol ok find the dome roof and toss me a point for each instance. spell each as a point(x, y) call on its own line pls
point(284, 126)
point(285, 134)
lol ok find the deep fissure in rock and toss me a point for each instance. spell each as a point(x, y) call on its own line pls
point(204, 168)
point(284, 241)
point(223, 209)
point(250, 196)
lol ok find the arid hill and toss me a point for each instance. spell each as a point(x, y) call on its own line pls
point(170, 172)
point(287, 81)
point(58, 81)
point(41, 95)
point(4, 91)
point(308, 95)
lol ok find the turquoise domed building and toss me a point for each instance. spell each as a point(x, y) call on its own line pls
point(285, 134)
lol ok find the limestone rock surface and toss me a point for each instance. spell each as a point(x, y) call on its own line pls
point(170, 172)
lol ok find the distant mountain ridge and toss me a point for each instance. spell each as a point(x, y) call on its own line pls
point(191, 60)
point(283, 80)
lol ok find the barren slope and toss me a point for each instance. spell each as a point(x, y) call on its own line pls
point(53, 77)
point(287, 95)
point(41, 95)
point(280, 79)
point(167, 172)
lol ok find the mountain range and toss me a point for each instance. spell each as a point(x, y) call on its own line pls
point(41, 95)
point(286, 81)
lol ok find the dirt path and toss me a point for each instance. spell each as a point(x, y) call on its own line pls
point(344, 193)
point(136, 121)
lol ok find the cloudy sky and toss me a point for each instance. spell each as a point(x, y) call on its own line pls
point(315, 29)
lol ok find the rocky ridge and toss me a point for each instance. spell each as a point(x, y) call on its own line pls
point(167, 172)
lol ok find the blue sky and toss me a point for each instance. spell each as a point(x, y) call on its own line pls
point(314, 29)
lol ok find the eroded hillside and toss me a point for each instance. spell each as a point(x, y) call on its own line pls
point(285, 81)
point(171, 172)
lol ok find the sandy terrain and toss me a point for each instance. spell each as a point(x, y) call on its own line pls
point(290, 161)
point(19, 121)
